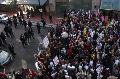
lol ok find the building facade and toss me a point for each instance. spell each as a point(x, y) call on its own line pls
point(96, 4)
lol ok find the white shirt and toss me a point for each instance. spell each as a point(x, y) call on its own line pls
point(36, 65)
point(117, 62)
point(86, 67)
point(91, 63)
point(64, 66)
point(80, 67)
point(71, 67)
point(53, 74)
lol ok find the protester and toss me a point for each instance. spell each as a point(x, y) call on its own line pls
point(84, 45)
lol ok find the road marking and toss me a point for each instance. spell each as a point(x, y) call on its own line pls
point(24, 64)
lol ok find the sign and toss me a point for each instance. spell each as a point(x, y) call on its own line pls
point(45, 42)
point(110, 4)
point(56, 60)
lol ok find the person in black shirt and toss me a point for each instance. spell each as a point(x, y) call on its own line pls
point(30, 33)
point(30, 24)
point(15, 22)
point(22, 38)
point(24, 24)
point(9, 22)
point(44, 22)
point(11, 49)
point(50, 18)
point(3, 37)
point(38, 27)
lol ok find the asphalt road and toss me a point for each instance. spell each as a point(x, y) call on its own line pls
point(24, 56)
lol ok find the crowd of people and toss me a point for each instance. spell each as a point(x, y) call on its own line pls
point(84, 45)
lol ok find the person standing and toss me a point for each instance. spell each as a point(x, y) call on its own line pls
point(31, 33)
point(15, 22)
point(6, 31)
point(3, 37)
point(1, 43)
point(30, 24)
point(38, 27)
point(10, 31)
point(20, 20)
point(43, 22)
point(24, 24)
point(9, 22)
point(50, 18)
point(22, 39)
point(11, 49)
point(27, 37)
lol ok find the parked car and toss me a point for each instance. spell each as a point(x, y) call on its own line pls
point(3, 18)
point(5, 57)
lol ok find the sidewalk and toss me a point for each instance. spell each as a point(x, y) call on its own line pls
point(36, 18)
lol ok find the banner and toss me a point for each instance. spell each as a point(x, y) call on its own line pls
point(110, 4)
point(45, 42)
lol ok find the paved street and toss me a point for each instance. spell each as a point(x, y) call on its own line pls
point(25, 56)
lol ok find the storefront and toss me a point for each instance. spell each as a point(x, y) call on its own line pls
point(24, 5)
point(34, 5)
point(110, 5)
point(110, 8)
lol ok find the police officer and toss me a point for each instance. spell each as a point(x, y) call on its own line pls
point(43, 22)
point(24, 24)
point(11, 49)
point(3, 37)
point(22, 39)
point(30, 24)
point(38, 27)
point(31, 33)
point(15, 22)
